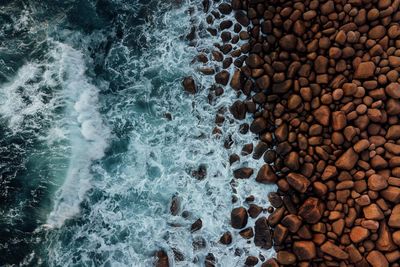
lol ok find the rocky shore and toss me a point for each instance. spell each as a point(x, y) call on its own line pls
point(321, 80)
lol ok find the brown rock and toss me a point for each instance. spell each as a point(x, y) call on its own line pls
point(373, 212)
point(196, 225)
point(280, 233)
point(311, 210)
point(286, 258)
point(392, 194)
point(189, 85)
point(262, 237)
point(358, 234)
point(236, 81)
point(377, 32)
point(333, 250)
point(263, 82)
point(339, 120)
point(226, 238)
point(251, 261)
point(304, 250)
point(258, 125)
point(377, 182)
point(393, 90)
point(377, 259)
point(394, 219)
point(266, 175)
point(385, 241)
point(347, 160)
point(288, 42)
point(354, 254)
point(239, 218)
point(254, 210)
point(243, 173)
point(298, 182)
point(321, 64)
point(365, 70)
point(247, 233)
point(322, 115)
point(238, 110)
point(393, 133)
point(162, 259)
point(292, 222)
point(222, 77)
point(361, 145)
point(396, 237)
point(254, 61)
point(270, 263)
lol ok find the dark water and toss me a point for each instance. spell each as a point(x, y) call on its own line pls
point(89, 162)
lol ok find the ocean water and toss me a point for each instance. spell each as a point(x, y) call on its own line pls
point(97, 136)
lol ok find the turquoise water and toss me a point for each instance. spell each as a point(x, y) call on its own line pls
point(89, 159)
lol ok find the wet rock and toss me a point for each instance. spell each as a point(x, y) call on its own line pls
point(311, 210)
point(286, 258)
point(175, 205)
point(238, 110)
point(222, 77)
point(226, 238)
point(189, 85)
point(304, 250)
point(288, 42)
point(333, 250)
point(162, 259)
point(251, 261)
point(299, 182)
point(239, 218)
point(196, 225)
point(258, 125)
point(262, 237)
point(243, 173)
point(266, 175)
point(394, 220)
point(377, 259)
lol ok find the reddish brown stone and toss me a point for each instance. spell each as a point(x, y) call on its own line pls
point(239, 217)
point(298, 182)
point(311, 210)
point(304, 250)
point(333, 250)
point(266, 175)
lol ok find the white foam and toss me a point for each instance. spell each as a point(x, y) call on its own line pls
point(88, 135)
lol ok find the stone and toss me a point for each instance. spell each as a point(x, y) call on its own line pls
point(254, 61)
point(280, 233)
point(189, 85)
point(266, 175)
point(292, 222)
point(262, 234)
point(222, 77)
point(393, 133)
point(258, 125)
point(243, 173)
point(322, 115)
point(286, 258)
point(347, 160)
point(162, 259)
point(339, 120)
point(393, 90)
point(197, 225)
point(358, 234)
point(365, 70)
point(304, 250)
point(373, 212)
point(385, 241)
point(298, 182)
point(263, 82)
point(288, 42)
point(394, 219)
point(251, 261)
point(239, 218)
point(238, 110)
point(311, 211)
point(377, 259)
point(226, 238)
point(377, 182)
point(334, 251)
